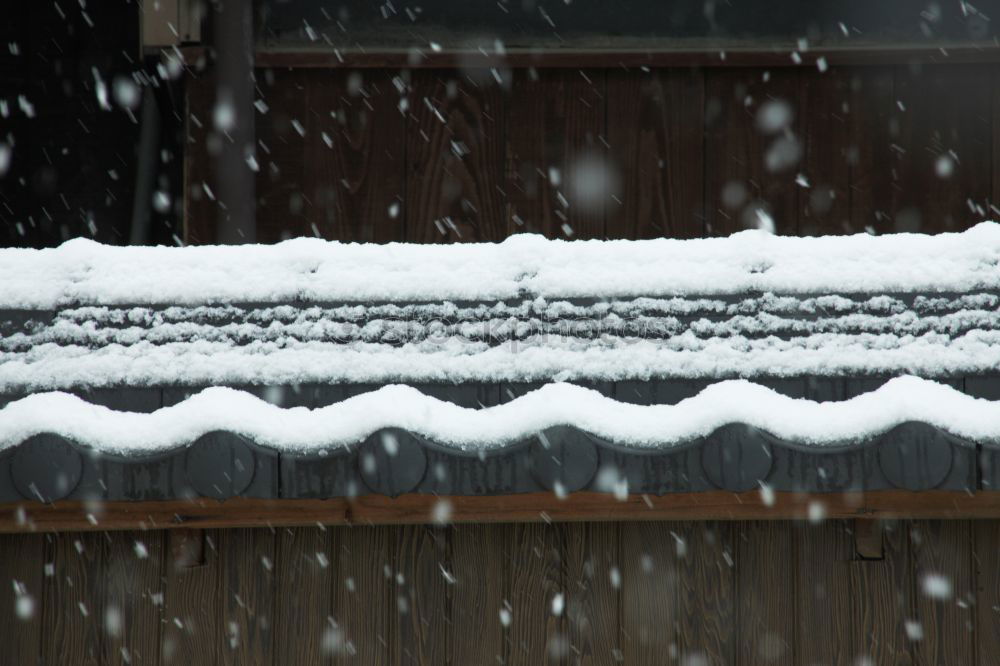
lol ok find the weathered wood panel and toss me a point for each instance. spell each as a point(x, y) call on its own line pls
point(480, 606)
point(765, 593)
point(537, 593)
point(247, 596)
point(423, 570)
point(823, 602)
point(649, 598)
point(707, 594)
point(305, 575)
point(656, 136)
point(753, 150)
point(133, 605)
point(74, 611)
point(365, 601)
point(944, 591)
point(594, 582)
point(193, 608)
point(554, 137)
point(454, 158)
point(22, 563)
point(986, 570)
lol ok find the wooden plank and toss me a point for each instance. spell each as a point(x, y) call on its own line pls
point(333, 165)
point(944, 596)
point(454, 158)
point(595, 574)
point(765, 592)
point(246, 572)
point(944, 154)
point(987, 576)
point(365, 595)
point(555, 155)
point(748, 169)
point(870, 153)
point(823, 599)
point(133, 607)
point(21, 627)
point(479, 594)
point(73, 599)
point(575, 58)
point(537, 593)
point(524, 507)
point(284, 204)
point(707, 594)
point(650, 556)
point(200, 205)
point(825, 206)
point(882, 594)
point(192, 609)
point(656, 134)
point(305, 571)
point(423, 591)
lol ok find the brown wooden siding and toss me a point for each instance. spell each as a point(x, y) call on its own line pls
point(638, 593)
point(870, 138)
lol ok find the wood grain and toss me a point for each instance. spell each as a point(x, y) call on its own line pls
point(192, 610)
point(305, 573)
point(882, 594)
point(423, 595)
point(365, 595)
point(986, 553)
point(200, 209)
point(765, 593)
point(706, 626)
point(942, 553)
point(524, 507)
point(454, 158)
point(870, 153)
point(736, 151)
point(533, 557)
point(342, 177)
point(649, 596)
point(554, 130)
point(74, 599)
point(22, 563)
point(825, 204)
point(133, 606)
point(656, 126)
point(934, 127)
point(480, 594)
point(824, 615)
point(595, 576)
point(247, 596)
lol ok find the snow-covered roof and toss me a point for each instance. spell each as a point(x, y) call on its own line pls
point(524, 266)
point(527, 309)
point(184, 341)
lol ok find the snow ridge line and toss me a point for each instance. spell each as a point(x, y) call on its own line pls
point(523, 266)
point(804, 422)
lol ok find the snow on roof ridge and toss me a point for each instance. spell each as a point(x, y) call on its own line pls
point(83, 271)
point(900, 400)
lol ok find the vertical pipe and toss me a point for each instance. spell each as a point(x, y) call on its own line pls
point(233, 120)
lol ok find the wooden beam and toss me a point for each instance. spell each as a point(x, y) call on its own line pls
point(403, 58)
point(527, 507)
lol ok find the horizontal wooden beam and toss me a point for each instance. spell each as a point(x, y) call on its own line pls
point(404, 59)
point(528, 507)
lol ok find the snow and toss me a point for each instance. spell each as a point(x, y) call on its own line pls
point(312, 270)
point(808, 423)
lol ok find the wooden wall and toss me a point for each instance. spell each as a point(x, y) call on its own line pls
point(637, 593)
point(469, 159)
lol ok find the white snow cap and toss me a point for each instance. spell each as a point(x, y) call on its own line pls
point(349, 422)
point(82, 271)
